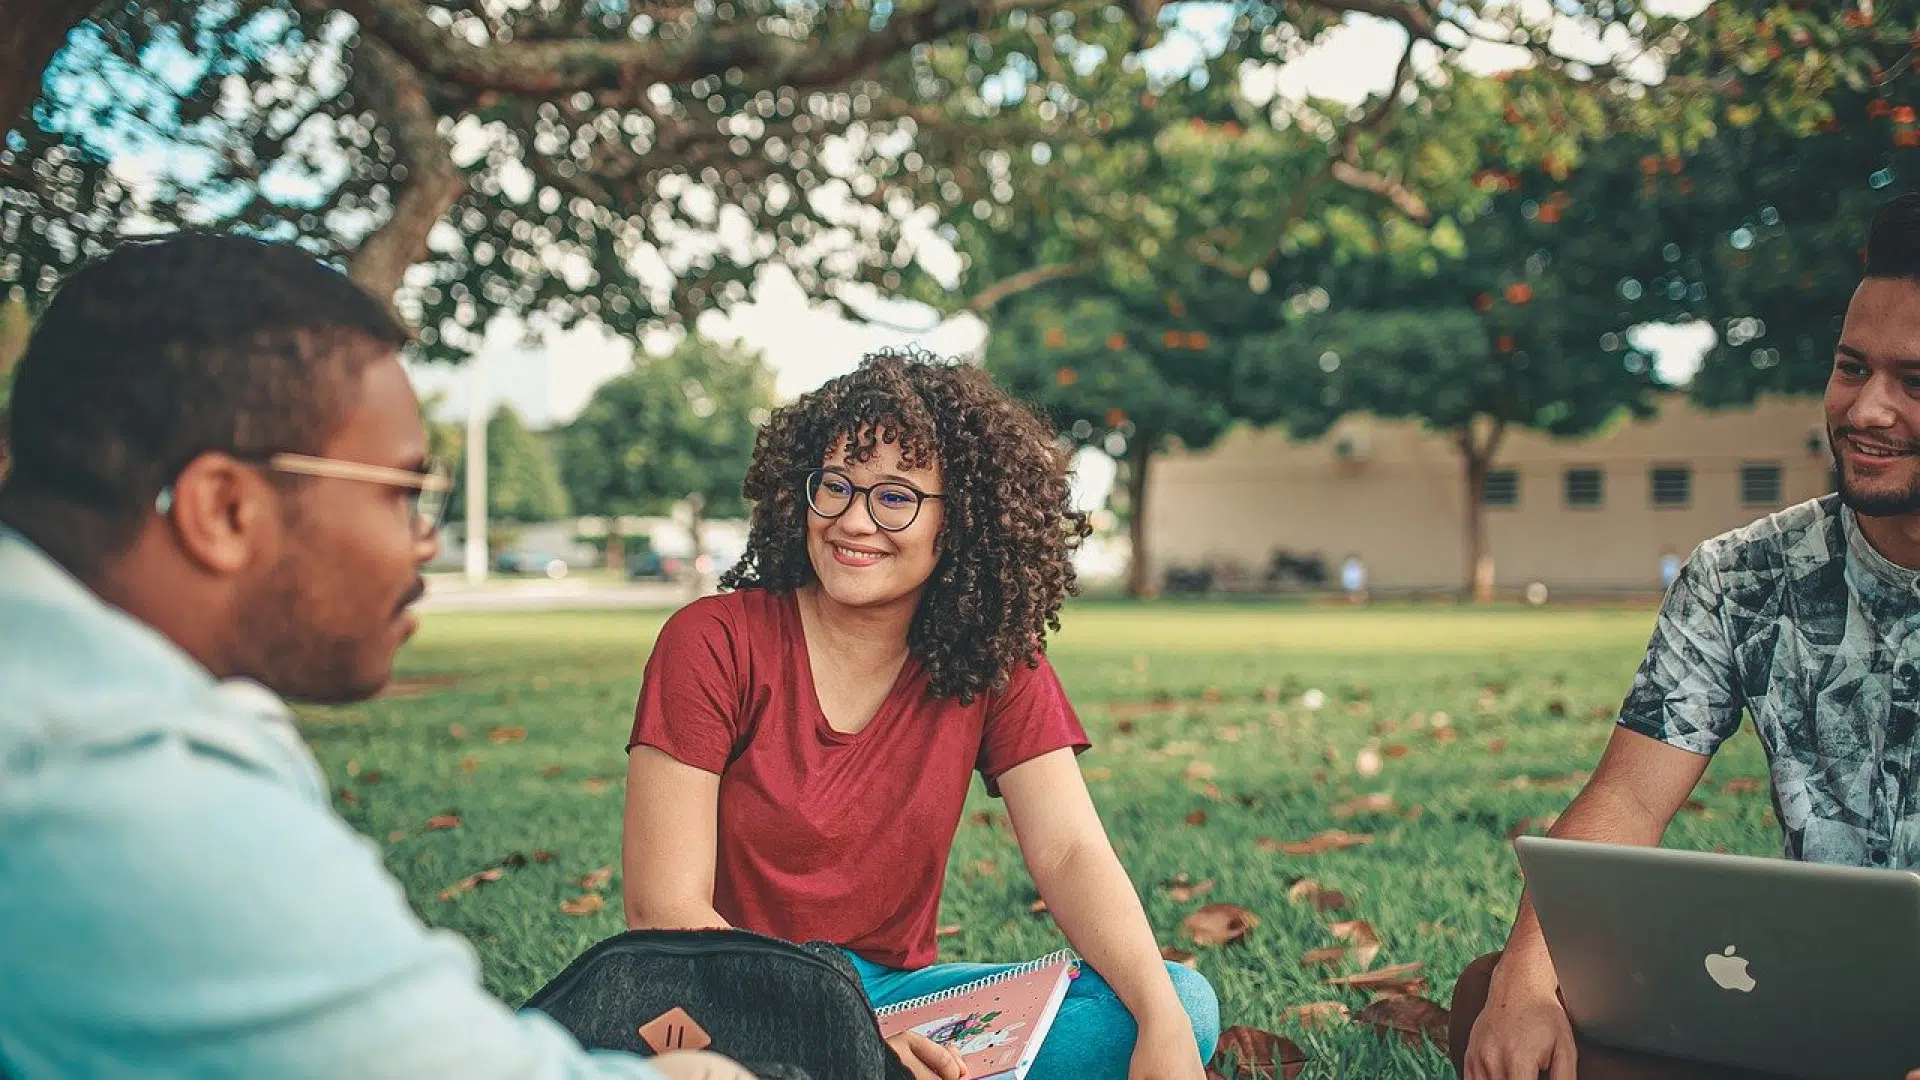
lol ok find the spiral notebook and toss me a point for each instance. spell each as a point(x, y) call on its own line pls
point(996, 1024)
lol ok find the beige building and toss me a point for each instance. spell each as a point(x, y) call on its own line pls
point(1591, 515)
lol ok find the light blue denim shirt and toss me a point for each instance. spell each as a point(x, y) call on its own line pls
point(177, 897)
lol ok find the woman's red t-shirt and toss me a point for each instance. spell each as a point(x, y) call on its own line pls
point(826, 836)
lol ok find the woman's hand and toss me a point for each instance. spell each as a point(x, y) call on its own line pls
point(1166, 1051)
point(926, 1059)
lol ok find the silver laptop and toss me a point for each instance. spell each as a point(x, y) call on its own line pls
point(1790, 968)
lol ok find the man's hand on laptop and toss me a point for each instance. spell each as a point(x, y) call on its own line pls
point(1524, 1030)
point(698, 1065)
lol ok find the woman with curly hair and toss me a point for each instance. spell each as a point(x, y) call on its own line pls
point(804, 742)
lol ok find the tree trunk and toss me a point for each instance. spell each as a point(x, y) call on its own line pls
point(431, 184)
point(616, 550)
point(696, 581)
point(1139, 574)
point(31, 31)
point(1476, 452)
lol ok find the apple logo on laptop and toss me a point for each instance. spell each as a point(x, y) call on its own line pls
point(1729, 971)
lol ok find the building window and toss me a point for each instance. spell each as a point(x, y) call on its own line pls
point(1586, 487)
point(1759, 483)
point(1672, 485)
point(1503, 488)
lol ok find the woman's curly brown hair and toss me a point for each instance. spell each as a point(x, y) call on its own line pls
point(1006, 545)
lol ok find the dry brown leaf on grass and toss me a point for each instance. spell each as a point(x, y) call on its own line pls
point(469, 763)
point(1200, 770)
point(596, 880)
point(1316, 1014)
point(1183, 889)
point(1395, 750)
point(507, 734)
point(1219, 924)
point(596, 785)
point(984, 868)
point(472, 882)
point(457, 731)
point(444, 821)
point(543, 856)
point(552, 771)
point(1038, 907)
point(1496, 746)
point(1378, 802)
point(1246, 1053)
point(585, 904)
point(1415, 1019)
point(1329, 956)
point(1743, 785)
point(1179, 956)
point(1198, 817)
point(1317, 844)
point(1446, 735)
point(946, 931)
point(1309, 891)
point(1400, 978)
point(1360, 935)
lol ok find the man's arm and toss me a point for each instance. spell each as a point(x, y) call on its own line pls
point(1684, 702)
point(167, 909)
point(1633, 795)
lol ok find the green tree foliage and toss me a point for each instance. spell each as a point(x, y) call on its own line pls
point(639, 164)
point(679, 426)
point(523, 479)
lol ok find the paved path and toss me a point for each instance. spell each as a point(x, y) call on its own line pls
point(452, 593)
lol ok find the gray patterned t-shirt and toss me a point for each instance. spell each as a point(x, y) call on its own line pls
point(1798, 620)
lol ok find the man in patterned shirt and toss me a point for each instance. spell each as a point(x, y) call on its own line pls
point(1807, 621)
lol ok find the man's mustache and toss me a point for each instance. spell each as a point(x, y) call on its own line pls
point(1898, 445)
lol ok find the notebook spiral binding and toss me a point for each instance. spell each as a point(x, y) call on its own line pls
point(961, 991)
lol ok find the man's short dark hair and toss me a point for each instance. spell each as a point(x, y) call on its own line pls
point(1893, 240)
point(169, 348)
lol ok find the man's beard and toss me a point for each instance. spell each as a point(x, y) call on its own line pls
point(1879, 504)
point(294, 647)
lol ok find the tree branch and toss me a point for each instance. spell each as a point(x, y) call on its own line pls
point(431, 184)
point(1402, 198)
point(1414, 17)
point(990, 297)
point(545, 68)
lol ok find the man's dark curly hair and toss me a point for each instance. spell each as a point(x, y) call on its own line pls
point(1006, 545)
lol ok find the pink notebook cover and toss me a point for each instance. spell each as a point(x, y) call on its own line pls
point(996, 1024)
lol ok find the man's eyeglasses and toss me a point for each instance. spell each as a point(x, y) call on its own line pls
point(428, 489)
point(893, 506)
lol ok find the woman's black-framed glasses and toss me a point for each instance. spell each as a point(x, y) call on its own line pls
point(893, 506)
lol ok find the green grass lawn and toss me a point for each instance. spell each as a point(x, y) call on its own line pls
point(1205, 746)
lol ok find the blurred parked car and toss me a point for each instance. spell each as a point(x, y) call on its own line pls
point(531, 562)
point(646, 564)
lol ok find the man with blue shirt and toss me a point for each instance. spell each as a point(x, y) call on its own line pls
point(219, 497)
point(1807, 622)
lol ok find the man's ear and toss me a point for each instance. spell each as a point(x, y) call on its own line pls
point(223, 512)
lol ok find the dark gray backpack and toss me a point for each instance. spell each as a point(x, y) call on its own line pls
point(785, 1011)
